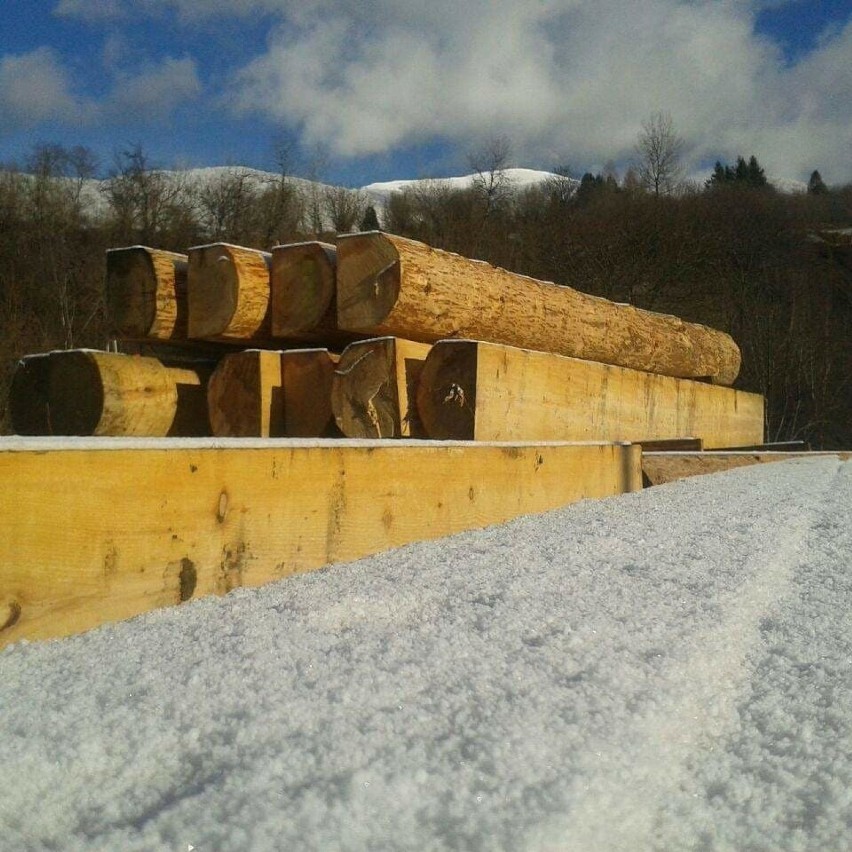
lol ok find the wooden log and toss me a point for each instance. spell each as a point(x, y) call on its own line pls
point(84, 392)
point(307, 376)
point(660, 468)
point(29, 402)
point(302, 277)
point(108, 529)
point(146, 293)
point(375, 387)
point(272, 394)
point(228, 292)
point(244, 396)
point(487, 392)
point(392, 285)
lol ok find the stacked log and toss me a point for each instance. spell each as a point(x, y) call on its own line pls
point(407, 342)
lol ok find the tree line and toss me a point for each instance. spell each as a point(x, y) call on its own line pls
point(772, 269)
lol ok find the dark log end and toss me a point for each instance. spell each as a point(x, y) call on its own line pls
point(302, 279)
point(446, 393)
point(368, 280)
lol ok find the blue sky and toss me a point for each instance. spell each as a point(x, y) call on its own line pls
point(364, 91)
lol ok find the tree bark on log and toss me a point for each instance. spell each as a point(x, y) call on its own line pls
point(488, 392)
point(146, 293)
point(83, 392)
point(392, 285)
point(307, 376)
point(228, 292)
point(375, 386)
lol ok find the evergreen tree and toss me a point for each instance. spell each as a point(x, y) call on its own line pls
point(370, 222)
point(816, 185)
point(745, 174)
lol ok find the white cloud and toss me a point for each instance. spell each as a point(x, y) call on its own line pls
point(567, 76)
point(564, 79)
point(34, 88)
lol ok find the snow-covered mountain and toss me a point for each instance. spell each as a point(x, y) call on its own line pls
point(516, 178)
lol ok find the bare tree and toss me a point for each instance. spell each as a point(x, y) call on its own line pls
point(343, 207)
point(226, 205)
point(489, 164)
point(658, 152)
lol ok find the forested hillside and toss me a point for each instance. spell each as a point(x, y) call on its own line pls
point(773, 269)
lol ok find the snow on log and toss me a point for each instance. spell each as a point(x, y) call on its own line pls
point(228, 292)
point(374, 389)
point(146, 293)
point(392, 285)
point(84, 392)
point(487, 392)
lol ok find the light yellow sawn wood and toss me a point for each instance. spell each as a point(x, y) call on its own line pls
point(486, 392)
point(86, 392)
point(392, 285)
point(91, 535)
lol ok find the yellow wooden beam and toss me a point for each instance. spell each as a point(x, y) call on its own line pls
point(104, 530)
point(470, 390)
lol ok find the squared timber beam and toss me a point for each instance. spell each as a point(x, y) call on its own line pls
point(98, 530)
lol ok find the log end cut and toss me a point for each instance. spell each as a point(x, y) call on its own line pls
point(363, 395)
point(368, 280)
point(302, 286)
point(446, 393)
point(146, 292)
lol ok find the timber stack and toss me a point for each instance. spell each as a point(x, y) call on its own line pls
point(534, 396)
point(379, 336)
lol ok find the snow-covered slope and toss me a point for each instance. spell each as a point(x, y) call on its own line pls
point(516, 178)
point(663, 670)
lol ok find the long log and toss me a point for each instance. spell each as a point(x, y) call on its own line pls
point(392, 285)
point(84, 392)
point(375, 386)
point(93, 535)
point(307, 376)
point(487, 392)
point(146, 293)
point(228, 292)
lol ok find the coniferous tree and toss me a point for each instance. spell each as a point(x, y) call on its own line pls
point(370, 222)
point(816, 185)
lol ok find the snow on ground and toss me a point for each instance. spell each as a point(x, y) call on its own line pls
point(664, 670)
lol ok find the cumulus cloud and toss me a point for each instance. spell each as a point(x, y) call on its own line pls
point(35, 88)
point(565, 80)
point(560, 77)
